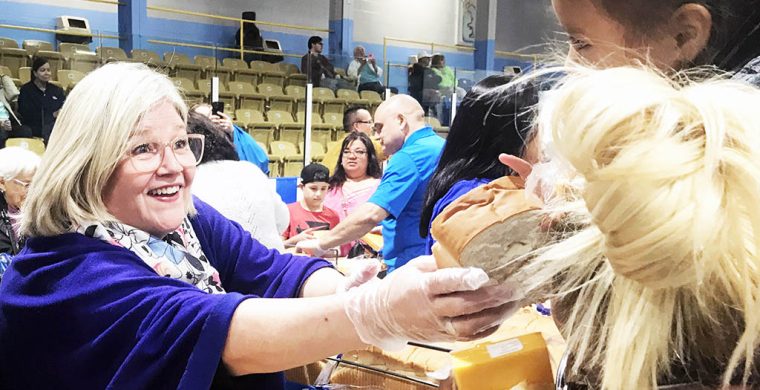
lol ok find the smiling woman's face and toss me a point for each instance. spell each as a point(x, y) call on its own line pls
point(153, 201)
point(602, 41)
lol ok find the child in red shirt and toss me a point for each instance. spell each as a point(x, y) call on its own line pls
point(308, 214)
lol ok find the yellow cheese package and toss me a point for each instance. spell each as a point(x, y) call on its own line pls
point(517, 363)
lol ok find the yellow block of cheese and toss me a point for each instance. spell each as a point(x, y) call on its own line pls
point(517, 363)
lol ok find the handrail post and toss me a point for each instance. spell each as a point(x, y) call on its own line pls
point(242, 44)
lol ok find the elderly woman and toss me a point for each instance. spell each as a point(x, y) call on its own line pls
point(17, 166)
point(127, 281)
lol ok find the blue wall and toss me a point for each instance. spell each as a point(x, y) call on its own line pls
point(44, 16)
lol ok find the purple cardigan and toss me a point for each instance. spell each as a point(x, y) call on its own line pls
point(76, 312)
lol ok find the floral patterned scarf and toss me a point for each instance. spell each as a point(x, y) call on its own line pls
point(178, 255)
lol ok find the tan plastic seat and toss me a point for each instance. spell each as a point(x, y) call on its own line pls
point(25, 74)
point(288, 68)
point(295, 91)
point(8, 43)
point(182, 66)
point(276, 98)
point(212, 67)
point(316, 119)
point(68, 50)
point(296, 79)
point(84, 62)
point(110, 54)
point(32, 46)
point(268, 73)
point(5, 71)
point(32, 144)
point(317, 150)
point(334, 119)
point(148, 57)
point(352, 98)
point(253, 121)
point(372, 96)
point(240, 71)
point(189, 90)
point(280, 117)
point(320, 131)
point(330, 103)
point(246, 95)
point(13, 58)
point(69, 78)
point(287, 154)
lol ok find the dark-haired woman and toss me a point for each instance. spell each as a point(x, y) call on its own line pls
point(40, 100)
point(484, 127)
point(671, 34)
point(356, 177)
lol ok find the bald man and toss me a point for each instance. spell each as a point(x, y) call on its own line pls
point(414, 149)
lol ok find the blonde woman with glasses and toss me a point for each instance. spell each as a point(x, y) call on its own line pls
point(127, 281)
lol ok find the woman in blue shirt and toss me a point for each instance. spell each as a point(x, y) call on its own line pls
point(485, 126)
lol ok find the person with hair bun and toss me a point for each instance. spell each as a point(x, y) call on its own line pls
point(651, 257)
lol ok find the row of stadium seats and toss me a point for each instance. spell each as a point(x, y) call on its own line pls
point(266, 97)
point(81, 58)
point(286, 158)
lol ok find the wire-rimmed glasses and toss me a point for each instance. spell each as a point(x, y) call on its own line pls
point(187, 149)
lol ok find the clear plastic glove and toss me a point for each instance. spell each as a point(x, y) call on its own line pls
point(421, 303)
point(311, 247)
point(361, 273)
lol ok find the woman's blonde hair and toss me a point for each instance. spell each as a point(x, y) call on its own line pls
point(654, 262)
point(88, 141)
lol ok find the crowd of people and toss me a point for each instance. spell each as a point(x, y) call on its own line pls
point(176, 264)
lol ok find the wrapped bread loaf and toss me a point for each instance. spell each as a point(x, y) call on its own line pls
point(488, 228)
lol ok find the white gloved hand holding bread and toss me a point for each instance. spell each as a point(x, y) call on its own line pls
point(419, 302)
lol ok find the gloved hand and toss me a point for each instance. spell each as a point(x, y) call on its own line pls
point(361, 273)
point(419, 302)
point(311, 247)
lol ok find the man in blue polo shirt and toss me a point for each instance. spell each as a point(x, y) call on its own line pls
point(414, 149)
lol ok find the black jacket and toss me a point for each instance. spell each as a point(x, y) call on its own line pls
point(37, 108)
point(9, 243)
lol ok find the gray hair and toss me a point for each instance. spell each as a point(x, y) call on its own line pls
point(16, 161)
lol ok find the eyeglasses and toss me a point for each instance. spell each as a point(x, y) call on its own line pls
point(187, 149)
point(365, 122)
point(357, 153)
point(24, 184)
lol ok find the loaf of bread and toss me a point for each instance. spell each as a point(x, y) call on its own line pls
point(489, 227)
